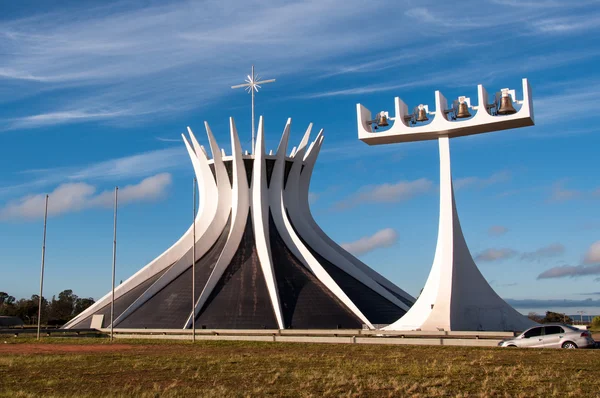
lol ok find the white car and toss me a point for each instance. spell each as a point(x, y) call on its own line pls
point(551, 336)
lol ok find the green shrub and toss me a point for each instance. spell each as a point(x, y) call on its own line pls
point(596, 322)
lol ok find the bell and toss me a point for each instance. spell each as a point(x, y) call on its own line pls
point(506, 106)
point(382, 122)
point(422, 115)
point(463, 111)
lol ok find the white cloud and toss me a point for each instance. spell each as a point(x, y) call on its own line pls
point(312, 197)
point(580, 92)
point(122, 60)
point(590, 266)
point(495, 254)
point(388, 193)
point(566, 25)
point(561, 194)
point(383, 238)
point(73, 197)
point(133, 166)
point(552, 250)
point(481, 182)
point(593, 254)
point(170, 57)
point(424, 15)
point(63, 117)
point(497, 230)
point(570, 271)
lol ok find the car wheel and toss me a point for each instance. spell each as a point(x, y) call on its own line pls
point(568, 344)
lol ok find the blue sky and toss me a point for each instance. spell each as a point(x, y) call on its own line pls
point(96, 94)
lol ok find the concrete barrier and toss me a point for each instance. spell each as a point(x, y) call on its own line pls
point(324, 339)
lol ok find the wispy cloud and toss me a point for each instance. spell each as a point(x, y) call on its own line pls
point(583, 93)
point(425, 15)
point(560, 193)
point(497, 230)
point(459, 78)
point(481, 182)
point(162, 139)
point(117, 169)
point(387, 193)
point(491, 254)
point(590, 266)
point(64, 117)
point(122, 61)
point(541, 4)
point(570, 271)
point(566, 25)
point(552, 250)
point(121, 56)
point(384, 238)
point(74, 197)
point(499, 254)
point(133, 166)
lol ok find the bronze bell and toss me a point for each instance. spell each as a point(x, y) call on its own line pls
point(506, 106)
point(422, 115)
point(382, 122)
point(463, 111)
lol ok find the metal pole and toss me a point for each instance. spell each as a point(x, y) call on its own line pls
point(252, 88)
point(194, 263)
point(114, 266)
point(42, 270)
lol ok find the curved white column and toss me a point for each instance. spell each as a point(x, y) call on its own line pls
point(456, 296)
point(172, 255)
point(303, 203)
point(211, 219)
point(222, 200)
point(260, 221)
point(291, 240)
point(295, 193)
point(240, 203)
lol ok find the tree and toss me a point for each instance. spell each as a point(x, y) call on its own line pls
point(61, 310)
point(57, 312)
point(596, 322)
point(7, 304)
point(555, 317)
point(534, 316)
point(82, 304)
point(6, 299)
point(27, 309)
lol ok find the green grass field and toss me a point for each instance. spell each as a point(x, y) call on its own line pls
point(93, 367)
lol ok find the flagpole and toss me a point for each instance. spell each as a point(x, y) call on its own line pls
point(194, 263)
point(114, 265)
point(39, 323)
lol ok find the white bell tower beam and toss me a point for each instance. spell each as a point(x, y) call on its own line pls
point(456, 296)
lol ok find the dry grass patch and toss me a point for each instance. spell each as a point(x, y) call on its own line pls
point(240, 369)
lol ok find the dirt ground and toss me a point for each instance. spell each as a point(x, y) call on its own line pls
point(63, 348)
